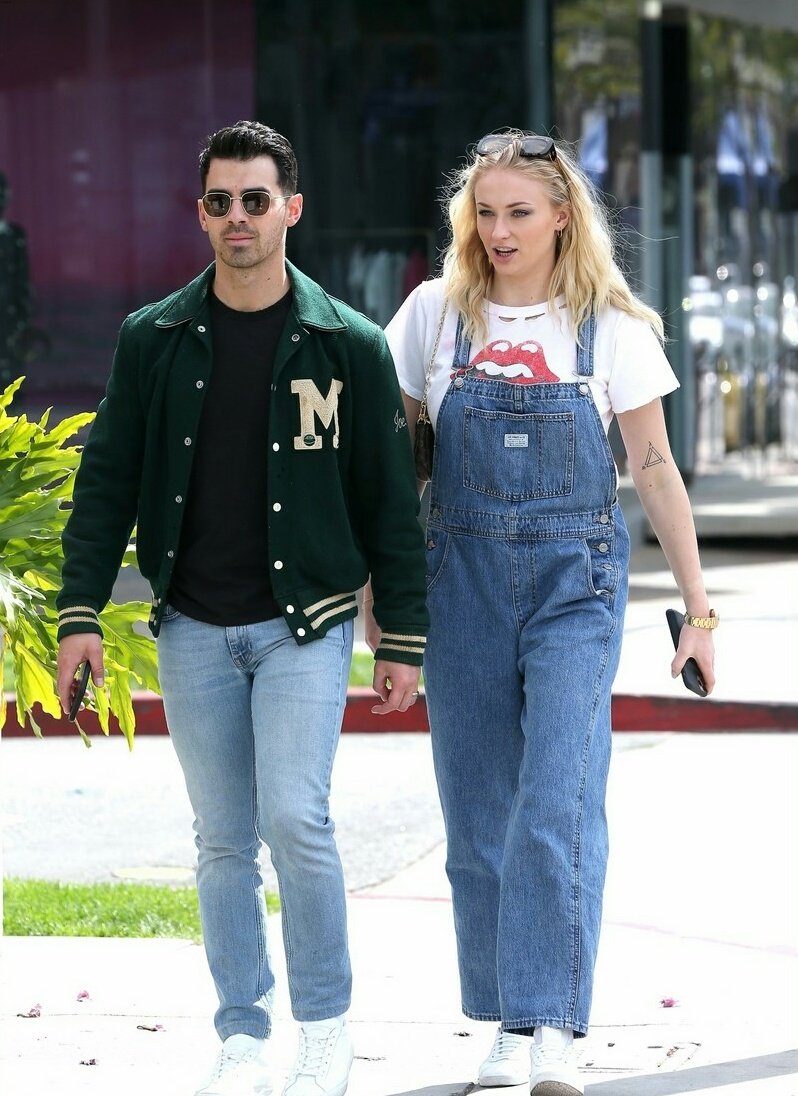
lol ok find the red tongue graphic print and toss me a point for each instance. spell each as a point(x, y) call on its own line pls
point(502, 354)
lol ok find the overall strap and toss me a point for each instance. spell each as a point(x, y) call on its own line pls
point(584, 349)
point(462, 346)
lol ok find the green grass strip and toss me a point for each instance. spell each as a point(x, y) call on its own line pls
point(361, 671)
point(37, 907)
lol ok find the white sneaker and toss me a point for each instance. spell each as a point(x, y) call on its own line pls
point(240, 1070)
point(508, 1061)
point(554, 1071)
point(324, 1059)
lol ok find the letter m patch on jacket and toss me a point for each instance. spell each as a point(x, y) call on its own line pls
point(313, 405)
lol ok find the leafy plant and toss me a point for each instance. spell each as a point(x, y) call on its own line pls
point(37, 473)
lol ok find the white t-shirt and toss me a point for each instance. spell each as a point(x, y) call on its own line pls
point(530, 345)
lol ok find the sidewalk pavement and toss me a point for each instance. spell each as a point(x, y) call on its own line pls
point(701, 910)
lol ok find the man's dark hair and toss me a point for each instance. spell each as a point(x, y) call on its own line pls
point(246, 141)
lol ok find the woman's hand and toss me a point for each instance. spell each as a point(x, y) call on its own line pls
point(699, 644)
point(373, 630)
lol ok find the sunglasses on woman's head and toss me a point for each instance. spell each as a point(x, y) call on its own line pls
point(255, 203)
point(533, 147)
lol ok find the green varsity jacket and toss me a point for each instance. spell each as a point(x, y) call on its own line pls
point(342, 491)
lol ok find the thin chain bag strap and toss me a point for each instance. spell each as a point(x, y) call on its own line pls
point(424, 439)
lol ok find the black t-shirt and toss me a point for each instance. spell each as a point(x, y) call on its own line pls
point(221, 574)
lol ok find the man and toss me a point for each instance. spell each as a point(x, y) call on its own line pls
point(254, 430)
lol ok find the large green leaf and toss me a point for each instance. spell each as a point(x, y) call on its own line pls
point(33, 679)
point(7, 396)
point(36, 477)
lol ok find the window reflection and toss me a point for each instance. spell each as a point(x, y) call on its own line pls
point(745, 239)
point(101, 135)
point(16, 343)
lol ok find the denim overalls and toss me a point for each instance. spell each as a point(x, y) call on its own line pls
point(527, 556)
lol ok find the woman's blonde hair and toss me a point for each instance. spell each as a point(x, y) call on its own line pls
point(585, 271)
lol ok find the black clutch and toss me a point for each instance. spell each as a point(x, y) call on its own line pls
point(691, 675)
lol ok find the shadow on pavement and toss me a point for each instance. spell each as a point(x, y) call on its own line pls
point(455, 1089)
point(717, 1075)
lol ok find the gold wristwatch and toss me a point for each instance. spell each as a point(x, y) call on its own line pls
point(708, 622)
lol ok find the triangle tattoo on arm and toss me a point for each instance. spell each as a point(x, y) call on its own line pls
point(653, 457)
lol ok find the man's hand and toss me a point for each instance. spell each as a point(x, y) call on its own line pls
point(401, 693)
point(72, 651)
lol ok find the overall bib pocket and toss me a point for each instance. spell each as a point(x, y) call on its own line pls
point(518, 457)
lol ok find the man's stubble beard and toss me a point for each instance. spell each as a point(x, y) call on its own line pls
point(245, 259)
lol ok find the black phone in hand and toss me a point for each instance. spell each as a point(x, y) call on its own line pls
point(80, 692)
point(691, 675)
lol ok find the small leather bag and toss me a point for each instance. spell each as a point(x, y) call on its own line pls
point(424, 437)
point(424, 445)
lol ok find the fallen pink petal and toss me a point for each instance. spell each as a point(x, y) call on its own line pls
point(149, 1027)
point(669, 1002)
point(84, 995)
point(32, 1013)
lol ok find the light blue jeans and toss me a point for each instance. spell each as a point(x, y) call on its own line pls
point(255, 720)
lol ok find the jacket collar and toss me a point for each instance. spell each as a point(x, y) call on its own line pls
point(186, 303)
point(312, 306)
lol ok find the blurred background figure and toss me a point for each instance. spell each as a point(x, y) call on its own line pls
point(14, 292)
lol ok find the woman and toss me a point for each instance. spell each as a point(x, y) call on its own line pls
point(535, 343)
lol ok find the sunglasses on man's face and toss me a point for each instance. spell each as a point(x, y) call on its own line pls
point(533, 147)
point(255, 203)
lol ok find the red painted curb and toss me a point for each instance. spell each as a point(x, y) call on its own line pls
point(666, 713)
point(629, 713)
